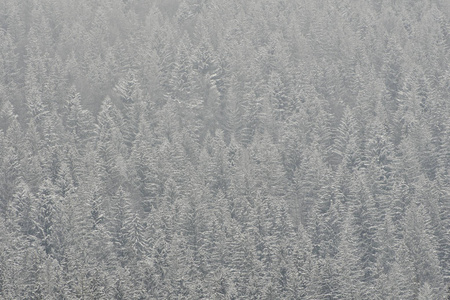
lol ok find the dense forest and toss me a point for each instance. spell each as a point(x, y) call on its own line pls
point(239, 149)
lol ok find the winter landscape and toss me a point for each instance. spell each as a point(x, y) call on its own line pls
point(212, 149)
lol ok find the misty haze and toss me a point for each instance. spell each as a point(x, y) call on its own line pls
point(224, 149)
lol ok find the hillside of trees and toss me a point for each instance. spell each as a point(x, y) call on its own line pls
point(239, 149)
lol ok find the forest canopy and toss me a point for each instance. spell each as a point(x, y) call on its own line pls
point(239, 149)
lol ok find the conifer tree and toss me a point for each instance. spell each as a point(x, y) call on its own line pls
point(79, 121)
point(23, 207)
point(110, 147)
point(45, 216)
point(120, 225)
point(350, 275)
point(346, 144)
point(130, 94)
point(421, 246)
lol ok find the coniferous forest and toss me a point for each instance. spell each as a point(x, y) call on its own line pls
point(239, 149)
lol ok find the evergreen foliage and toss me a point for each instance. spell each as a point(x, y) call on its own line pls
point(190, 149)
